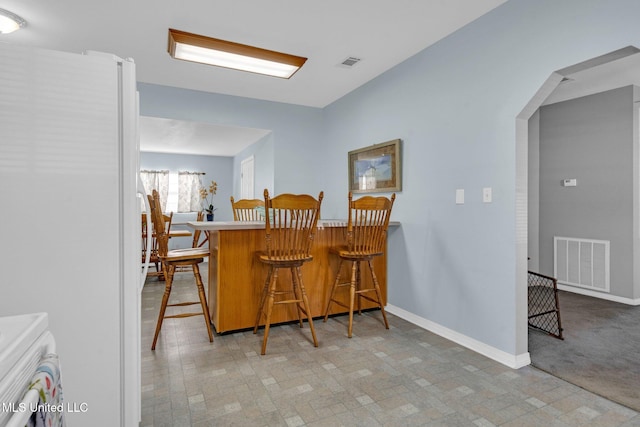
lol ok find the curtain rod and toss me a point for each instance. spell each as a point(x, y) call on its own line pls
point(152, 171)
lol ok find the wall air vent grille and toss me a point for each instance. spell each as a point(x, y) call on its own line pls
point(582, 262)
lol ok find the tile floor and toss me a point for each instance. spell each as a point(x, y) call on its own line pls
point(405, 376)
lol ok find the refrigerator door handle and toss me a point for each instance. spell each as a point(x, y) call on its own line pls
point(147, 258)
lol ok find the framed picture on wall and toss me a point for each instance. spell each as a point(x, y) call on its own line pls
point(376, 168)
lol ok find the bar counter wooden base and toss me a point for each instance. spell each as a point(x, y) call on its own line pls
point(236, 276)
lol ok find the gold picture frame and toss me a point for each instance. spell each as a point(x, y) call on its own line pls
point(376, 169)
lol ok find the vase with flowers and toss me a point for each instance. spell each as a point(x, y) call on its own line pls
point(207, 196)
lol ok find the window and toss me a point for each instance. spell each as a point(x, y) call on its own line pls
point(179, 191)
point(156, 180)
point(172, 195)
point(189, 185)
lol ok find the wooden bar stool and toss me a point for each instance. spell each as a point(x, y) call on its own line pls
point(153, 256)
point(196, 242)
point(245, 209)
point(366, 239)
point(289, 229)
point(171, 260)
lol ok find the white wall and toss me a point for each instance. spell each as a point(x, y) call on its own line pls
point(533, 252)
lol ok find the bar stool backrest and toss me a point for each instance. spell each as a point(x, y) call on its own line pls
point(368, 223)
point(162, 238)
point(290, 225)
point(154, 243)
point(245, 209)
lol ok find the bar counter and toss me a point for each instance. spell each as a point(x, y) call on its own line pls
point(236, 276)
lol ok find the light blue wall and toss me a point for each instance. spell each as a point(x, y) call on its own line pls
point(296, 131)
point(454, 106)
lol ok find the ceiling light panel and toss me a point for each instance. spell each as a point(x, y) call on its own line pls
point(222, 53)
point(10, 22)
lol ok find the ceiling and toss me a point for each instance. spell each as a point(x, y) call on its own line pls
point(381, 33)
point(184, 137)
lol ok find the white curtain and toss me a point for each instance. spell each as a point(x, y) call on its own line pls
point(189, 184)
point(159, 181)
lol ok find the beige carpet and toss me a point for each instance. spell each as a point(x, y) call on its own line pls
point(600, 351)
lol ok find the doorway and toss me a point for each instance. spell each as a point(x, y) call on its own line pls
point(562, 85)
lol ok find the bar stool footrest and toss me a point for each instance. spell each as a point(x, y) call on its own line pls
point(182, 304)
point(181, 315)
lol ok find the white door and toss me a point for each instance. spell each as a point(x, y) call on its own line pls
point(246, 178)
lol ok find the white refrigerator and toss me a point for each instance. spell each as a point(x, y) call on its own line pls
point(70, 220)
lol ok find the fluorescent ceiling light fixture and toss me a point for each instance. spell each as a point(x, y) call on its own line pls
point(9, 22)
point(221, 53)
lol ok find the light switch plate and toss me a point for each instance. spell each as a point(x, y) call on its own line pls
point(460, 196)
point(487, 195)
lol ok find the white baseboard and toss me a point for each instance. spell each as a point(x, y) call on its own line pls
point(600, 295)
point(516, 361)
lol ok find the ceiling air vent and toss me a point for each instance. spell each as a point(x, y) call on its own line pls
point(350, 62)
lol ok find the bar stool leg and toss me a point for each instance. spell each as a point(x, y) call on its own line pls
point(333, 291)
point(168, 273)
point(270, 299)
point(203, 300)
point(296, 294)
point(352, 294)
point(378, 293)
point(307, 309)
point(359, 287)
point(263, 299)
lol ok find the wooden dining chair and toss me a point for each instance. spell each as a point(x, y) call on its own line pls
point(198, 242)
point(191, 257)
point(366, 239)
point(245, 209)
point(289, 233)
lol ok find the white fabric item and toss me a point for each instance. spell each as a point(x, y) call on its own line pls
point(159, 181)
point(189, 184)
